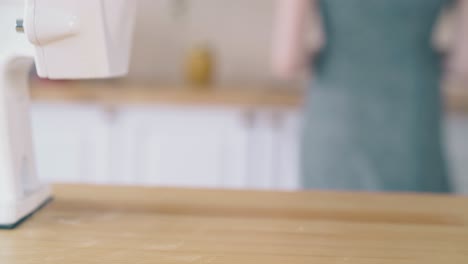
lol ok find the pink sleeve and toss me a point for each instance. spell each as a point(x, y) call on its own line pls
point(289, 53)
point(458, 62)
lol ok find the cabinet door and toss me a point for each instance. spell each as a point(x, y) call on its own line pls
point(288, 150)
point(182, 146)
point(457, 139)
point(71, 143)
point(273, 149)
point(262, 156)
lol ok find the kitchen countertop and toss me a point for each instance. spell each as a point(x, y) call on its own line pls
point(116, 94)
point(136, 94)
point(91, 224)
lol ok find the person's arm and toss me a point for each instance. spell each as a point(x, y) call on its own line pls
point(458, 61)
point(289, 54)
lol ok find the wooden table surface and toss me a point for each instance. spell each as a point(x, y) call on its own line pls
point(86, 224)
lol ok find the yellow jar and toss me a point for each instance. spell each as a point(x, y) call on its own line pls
point(199, 66)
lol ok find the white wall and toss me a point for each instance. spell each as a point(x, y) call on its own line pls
point(239, 31)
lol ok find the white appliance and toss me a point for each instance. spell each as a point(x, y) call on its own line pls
point(68, 39)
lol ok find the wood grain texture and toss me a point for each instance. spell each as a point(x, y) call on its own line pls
point(118, 94)
point(90, 224)
point(121, 94)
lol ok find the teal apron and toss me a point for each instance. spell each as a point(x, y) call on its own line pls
point(373, 115)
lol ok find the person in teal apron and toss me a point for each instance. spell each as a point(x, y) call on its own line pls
point(373, 111)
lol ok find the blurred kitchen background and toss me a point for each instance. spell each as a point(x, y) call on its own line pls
point(200, 107)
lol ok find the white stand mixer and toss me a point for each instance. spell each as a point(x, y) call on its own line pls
point(72, 39)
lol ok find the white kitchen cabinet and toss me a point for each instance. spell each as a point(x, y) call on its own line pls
point(288, 149)
point(457, 146)
point(202, 146)
point(186, 146)
point(273, 149)
point(181, 146)
point(262, 151)
point(71, 143)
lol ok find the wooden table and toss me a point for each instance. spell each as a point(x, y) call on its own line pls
point(87, 224)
